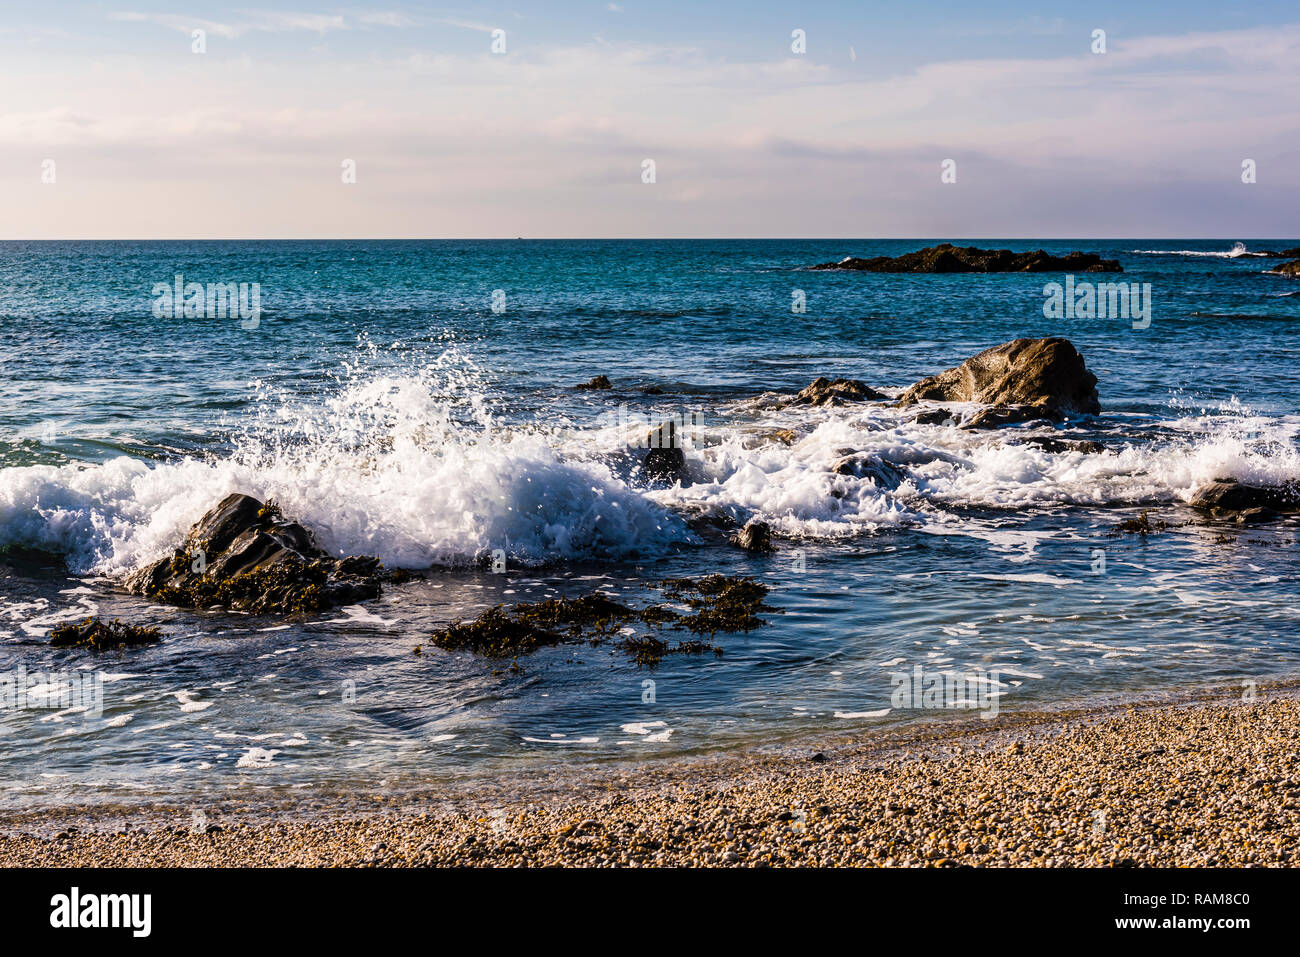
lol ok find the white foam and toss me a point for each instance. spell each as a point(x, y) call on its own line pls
point(416, 469)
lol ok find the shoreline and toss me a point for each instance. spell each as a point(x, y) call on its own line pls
point(1202, 779)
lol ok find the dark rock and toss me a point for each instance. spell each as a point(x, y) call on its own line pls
point(719, 603)
point(755, 537)
point(1142, 525)
point(1292, 253)
point(998, 415)
point(666, 461)
point(1291, 269)
point(824, 391)
point(947, 258)
point(1024, 379)
point(245, 555)
point(600, 382)
point(866, 465)
point(1226, 499)
point(935, 417)
point(1065, 445)
point(100, 635)
point(494, 634)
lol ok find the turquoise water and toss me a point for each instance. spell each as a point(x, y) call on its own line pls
point(384, 403)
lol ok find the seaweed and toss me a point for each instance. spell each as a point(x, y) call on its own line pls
point(721, 604)
point(494, 634)
point(598, 612)
point(1142, 525)
point(101, 635)
point(649, 650)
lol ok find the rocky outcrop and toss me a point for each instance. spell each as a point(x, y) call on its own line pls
point(826, 392)
point(1020, 381)
point(755, 537)
point(1226, 499)
point(245, 555)
point(1292, 253)
point(1291, 269)
point(947, 258)
point(100, 635)
point(599, 382)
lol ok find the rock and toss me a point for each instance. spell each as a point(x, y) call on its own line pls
point(935, 417)
point(1291, 269)
point(784, 436)
point(998, 415)
point(245, 555)
point(100, 635)
point(867, 465)
point(1024, 379)
point(1065, 445)
point(1228, 499)
point(947, 258)
point(666, 461)
point(599, 382)
point(755, 537)
point(823, 391)
point(1292, 253)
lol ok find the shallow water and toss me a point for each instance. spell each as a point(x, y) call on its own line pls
point(383, 403)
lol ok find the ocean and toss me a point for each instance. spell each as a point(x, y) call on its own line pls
point(415, 400)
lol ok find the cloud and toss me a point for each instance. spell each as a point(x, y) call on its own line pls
point(1146, 139)
point(265, 21)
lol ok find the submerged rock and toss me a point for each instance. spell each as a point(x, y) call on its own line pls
point(755, 537)
point(599, 382)
point(947, 258)
point(719, 603)
point(1230, 500)
point(1066, 445)
point(1142, 525)
point(101, 635)
point(245, 555)
point(1022, 380)
point(823, 391)
point(494, 634)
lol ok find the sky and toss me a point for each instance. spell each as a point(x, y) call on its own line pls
point(113, 126)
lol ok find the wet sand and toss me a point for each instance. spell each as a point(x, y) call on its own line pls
point(1208, 783)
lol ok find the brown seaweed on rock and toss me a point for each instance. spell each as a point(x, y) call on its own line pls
point(101, 635)
point(494, 634)
point(720, 604)
point(245, 555)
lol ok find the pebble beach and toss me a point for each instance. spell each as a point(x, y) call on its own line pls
point(1205, 781)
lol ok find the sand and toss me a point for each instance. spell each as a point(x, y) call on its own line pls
point(1210, 783)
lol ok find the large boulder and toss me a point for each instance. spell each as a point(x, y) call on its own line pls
point(245, 555)
point(947, 258)
point(1021, 380)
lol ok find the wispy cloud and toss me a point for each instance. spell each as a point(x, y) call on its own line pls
point(1145, 140)
point(258, 21)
